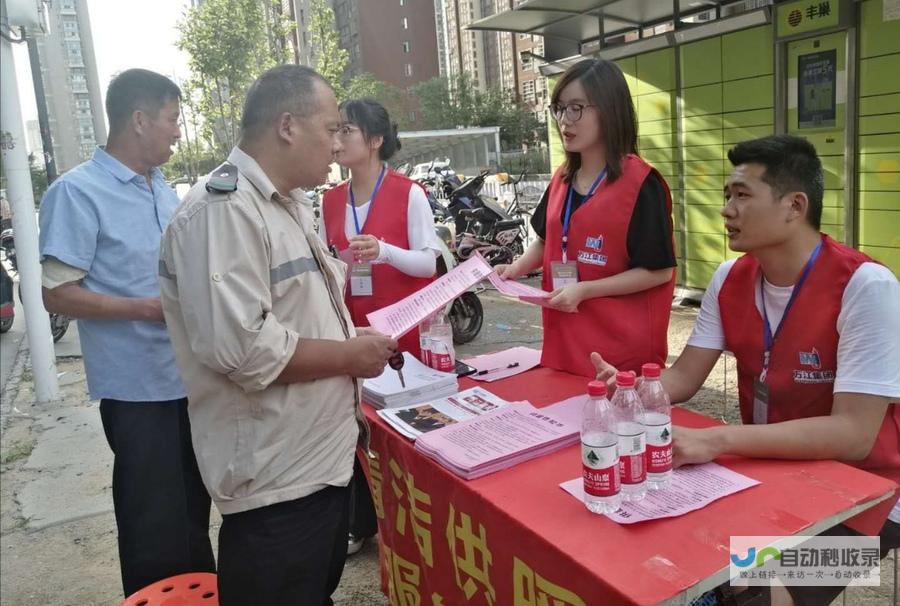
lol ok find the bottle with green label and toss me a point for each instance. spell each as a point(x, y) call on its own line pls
point(658, 423)
point(599, 452)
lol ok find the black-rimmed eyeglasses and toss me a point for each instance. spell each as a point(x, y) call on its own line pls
point(572, 111)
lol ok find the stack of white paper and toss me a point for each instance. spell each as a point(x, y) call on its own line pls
point(416, 419)
point(691, 487)
point(422, 384)
point(498, 440)
point(504, 364)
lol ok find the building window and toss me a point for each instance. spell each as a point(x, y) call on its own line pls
point(412, 116)
point(406, 46)
point(528, 90)
point(526, 61)
point(402, 2)
point(408, 69)
point(405, 23)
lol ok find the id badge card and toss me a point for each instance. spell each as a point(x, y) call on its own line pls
point(361, 280)
point(563, 274)
point(760, 402)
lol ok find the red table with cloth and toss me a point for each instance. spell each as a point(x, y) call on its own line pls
point(516, 538)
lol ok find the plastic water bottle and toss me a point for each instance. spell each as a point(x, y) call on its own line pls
point(632, 438)
point(599, 452)
point(658, 423)
point(443, 356)
point(425, 340)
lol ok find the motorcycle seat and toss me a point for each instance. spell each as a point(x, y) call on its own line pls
point(472, 213)
point(511, 224)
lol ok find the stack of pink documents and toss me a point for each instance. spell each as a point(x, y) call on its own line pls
point(503, 438)
point(524, 292)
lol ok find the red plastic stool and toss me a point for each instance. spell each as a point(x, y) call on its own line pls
point(192, 589)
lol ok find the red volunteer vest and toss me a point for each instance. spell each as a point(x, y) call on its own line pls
point(387, 221)
point(803, 360)
point(627, 330)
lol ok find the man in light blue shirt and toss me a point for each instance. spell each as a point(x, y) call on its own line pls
point(100, 232)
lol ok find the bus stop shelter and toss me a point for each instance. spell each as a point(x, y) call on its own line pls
point(469, 149)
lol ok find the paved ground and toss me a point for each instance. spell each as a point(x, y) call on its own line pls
point(57, 531)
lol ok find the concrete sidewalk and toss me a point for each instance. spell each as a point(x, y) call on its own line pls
point(58, 542)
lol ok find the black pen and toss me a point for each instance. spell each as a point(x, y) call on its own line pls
point(484, 372)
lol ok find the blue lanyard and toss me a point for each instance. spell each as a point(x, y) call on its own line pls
point(567, 217)
point(371, 200)
point(768, 337)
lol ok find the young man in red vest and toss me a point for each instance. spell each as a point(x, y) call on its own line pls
point(813, 325)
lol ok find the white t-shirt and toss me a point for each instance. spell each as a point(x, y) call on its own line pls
point(421, 235)
point(868, 325)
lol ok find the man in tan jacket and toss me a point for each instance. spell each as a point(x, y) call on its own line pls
point(270, 358)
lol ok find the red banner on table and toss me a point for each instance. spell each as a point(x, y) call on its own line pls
point(515, 538)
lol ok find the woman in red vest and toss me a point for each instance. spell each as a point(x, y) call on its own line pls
point(604, 232)
point(379, 221)
point(381, 224)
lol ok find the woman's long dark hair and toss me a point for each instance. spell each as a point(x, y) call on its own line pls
point(605, 87)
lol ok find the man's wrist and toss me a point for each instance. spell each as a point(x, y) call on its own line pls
point(344, 351)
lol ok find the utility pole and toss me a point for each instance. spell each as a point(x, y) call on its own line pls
point(21, 200)
point(41, 99)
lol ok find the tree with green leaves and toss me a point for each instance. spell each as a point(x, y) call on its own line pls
point(229, 43)
point(459, 103)
point(38, 177)
point(397, 102)
point(331, 59)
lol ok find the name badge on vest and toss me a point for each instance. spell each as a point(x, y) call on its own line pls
point(760, 402)
point(361, 280)
point(563, 274)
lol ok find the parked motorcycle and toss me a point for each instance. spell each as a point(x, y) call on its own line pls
point(7, 302)
point(439, 181)
point(483, 226)
point(466, 313)
point(59, 324)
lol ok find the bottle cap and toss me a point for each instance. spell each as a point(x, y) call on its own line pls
point(651, 370)
point(625, 379)
point(597, 389)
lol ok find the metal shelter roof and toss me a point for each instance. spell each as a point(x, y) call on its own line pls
point(581, 20)
point(576, 28)
point(424, 143)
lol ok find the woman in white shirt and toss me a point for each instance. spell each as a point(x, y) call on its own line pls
point(381, 224)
